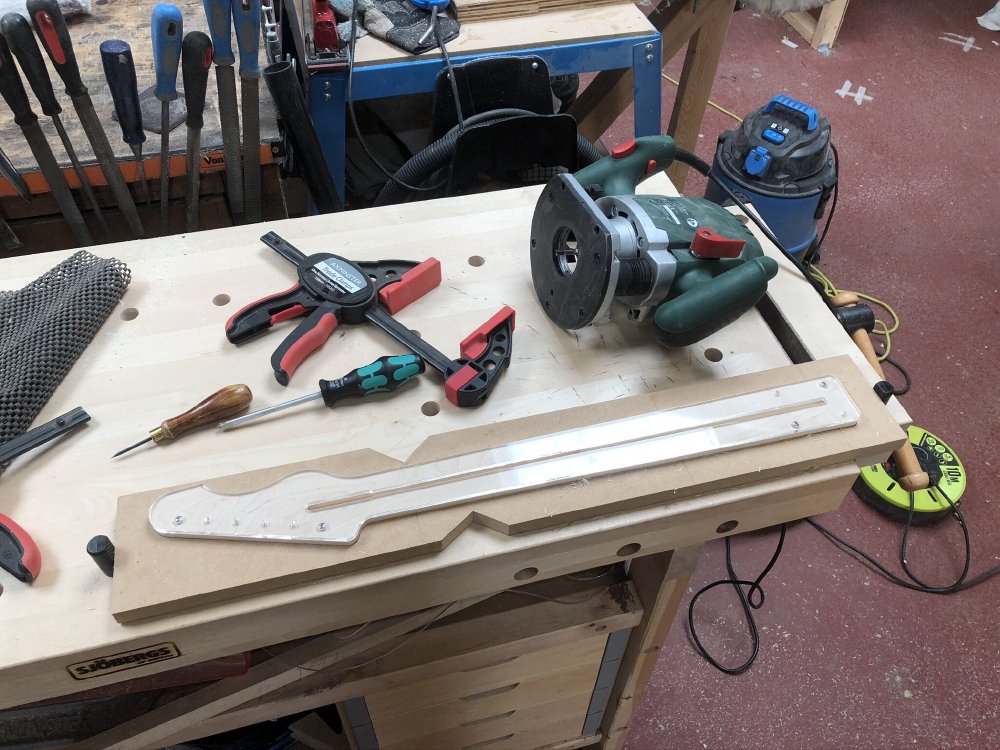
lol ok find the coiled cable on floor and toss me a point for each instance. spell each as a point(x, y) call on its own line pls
point(747, 601)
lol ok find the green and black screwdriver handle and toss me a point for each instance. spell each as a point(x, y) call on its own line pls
point(384, 375)
point(709, 290)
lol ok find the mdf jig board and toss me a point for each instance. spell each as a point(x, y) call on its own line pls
point(156, 575)
point(164, 350)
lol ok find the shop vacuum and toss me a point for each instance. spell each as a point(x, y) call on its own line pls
point(782, 161)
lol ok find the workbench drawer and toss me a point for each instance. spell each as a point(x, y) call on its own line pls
point(516, 729)
point(476, 709)
point(421, 693)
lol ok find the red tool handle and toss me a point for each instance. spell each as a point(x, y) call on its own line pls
point(257, 317)
point(308, 336)
point(19, 554)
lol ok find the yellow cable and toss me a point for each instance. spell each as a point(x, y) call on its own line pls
point(880, 329)
point(711, 104)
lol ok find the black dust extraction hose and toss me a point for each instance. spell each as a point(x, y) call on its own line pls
point(286, 92)
point(437, 155)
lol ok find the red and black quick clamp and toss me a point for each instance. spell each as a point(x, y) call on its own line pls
point(332, 290)
point(19, 554)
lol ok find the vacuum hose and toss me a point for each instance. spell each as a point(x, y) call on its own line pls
point(438, 155)
point(291, 105)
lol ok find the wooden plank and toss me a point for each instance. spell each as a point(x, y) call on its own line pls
point(562, 27)
point(322, 652)
point(822, 30)
point(804, 23)
point(831, 18)
point(490, 10)
point(695, 84)
point(608, 95)
point(168, 577)
point(660, 580)
point(508, 625)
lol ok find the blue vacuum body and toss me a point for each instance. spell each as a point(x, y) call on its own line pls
point(780, 160)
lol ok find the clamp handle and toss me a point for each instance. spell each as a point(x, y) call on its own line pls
point(19, 554)
point(307, 337)
point(628, 165)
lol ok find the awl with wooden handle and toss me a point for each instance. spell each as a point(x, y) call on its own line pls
point(47, 18)
point(12, 90)
point(22, 43)
point(196, 59)
point(225, 402)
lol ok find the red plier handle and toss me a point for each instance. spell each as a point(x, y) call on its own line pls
point(19, 554)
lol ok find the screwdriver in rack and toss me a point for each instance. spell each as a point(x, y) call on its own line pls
point(119, 70)
point(384, 375)
point(22, 43)
point(168, 30)
point(225, 402)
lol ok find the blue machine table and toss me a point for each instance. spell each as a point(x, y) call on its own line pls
point(612, 37)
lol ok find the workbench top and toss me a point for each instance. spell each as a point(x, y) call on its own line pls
point(164, 349)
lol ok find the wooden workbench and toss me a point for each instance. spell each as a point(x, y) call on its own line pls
point(165, 349)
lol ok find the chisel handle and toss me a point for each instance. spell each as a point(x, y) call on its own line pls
point(22, 43)
point(47, 18)
point(220, 15)
point(246, 18)
point(12, 89)
point(168, 30)
point(119, 70)
point(196, 59)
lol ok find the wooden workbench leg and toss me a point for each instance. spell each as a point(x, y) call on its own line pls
point(660, 581)
point(697, 77)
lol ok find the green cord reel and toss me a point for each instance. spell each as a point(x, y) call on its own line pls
point(877, 485)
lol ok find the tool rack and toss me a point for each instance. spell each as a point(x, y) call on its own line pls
point(586, 664)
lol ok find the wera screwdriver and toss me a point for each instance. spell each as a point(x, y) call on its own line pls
point(384, 375)
point(119, 70)
point(22, 43)
point(225, 402)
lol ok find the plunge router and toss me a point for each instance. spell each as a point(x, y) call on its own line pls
point(688, 262)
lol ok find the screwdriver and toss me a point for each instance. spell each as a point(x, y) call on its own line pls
point(22, 43)
point(384, 375)
point(168, 28)
point(119, 70)
point(225, 402)
point(196, 59)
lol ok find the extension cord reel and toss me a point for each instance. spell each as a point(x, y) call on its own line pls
point(878, 488)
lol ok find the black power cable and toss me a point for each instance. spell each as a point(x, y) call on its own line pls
point(914, 583)
point(354, 118)
point(746, 600)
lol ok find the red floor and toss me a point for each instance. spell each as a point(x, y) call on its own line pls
point(848, 659)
